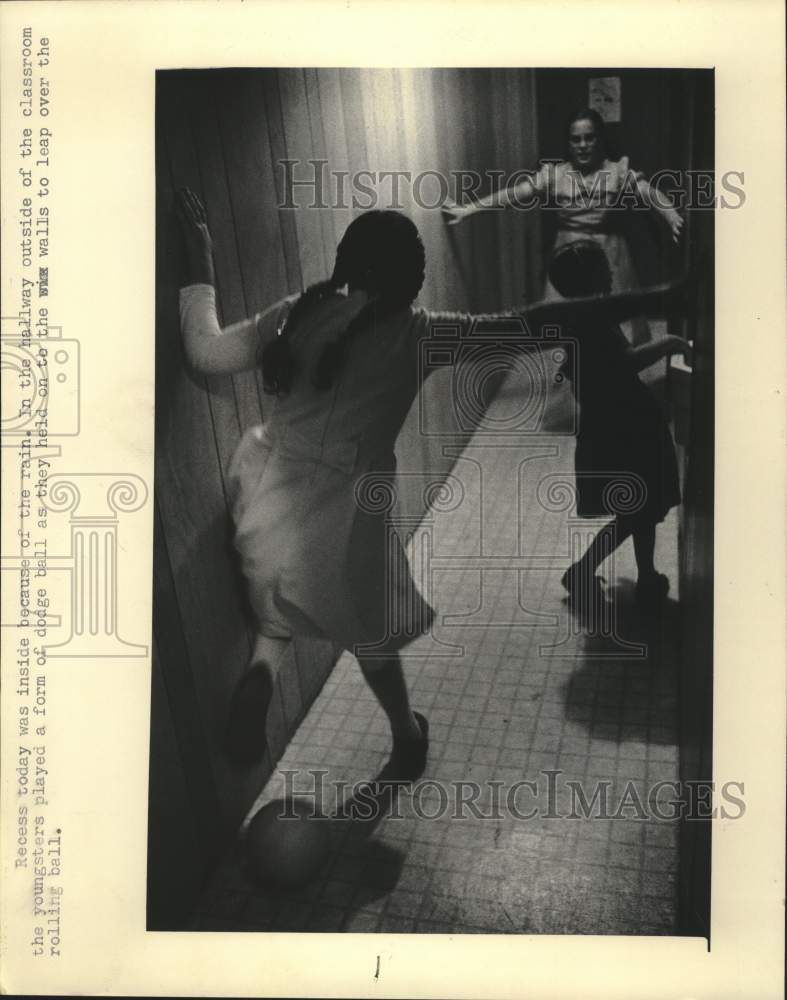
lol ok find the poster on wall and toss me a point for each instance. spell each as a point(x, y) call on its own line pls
point(604, 96)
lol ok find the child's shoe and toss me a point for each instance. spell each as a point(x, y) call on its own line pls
point(651, 590)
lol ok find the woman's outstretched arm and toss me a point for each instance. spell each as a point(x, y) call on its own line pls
point(521, 193)
point(663, 206)
point(210, 349)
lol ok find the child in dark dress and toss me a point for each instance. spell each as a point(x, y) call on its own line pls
point(625, 460)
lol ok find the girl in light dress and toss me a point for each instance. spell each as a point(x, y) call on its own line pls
point(343, 362)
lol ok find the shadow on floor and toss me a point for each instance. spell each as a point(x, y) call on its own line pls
point(627, 692)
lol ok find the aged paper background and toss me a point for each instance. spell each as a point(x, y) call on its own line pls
point(102, 62)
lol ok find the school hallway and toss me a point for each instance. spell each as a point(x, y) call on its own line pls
point(516, 689)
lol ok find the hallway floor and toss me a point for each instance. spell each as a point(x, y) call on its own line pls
point(522, 691)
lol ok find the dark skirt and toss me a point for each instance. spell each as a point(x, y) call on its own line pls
point(625, 460)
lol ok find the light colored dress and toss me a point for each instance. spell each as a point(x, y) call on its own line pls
point(591, 208)
point(316, 548)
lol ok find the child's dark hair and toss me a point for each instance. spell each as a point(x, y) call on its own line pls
point(380, 253)
point(580, 268)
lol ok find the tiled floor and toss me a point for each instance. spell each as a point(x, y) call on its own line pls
point(531, 690)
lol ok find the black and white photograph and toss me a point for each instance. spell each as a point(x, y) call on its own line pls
point(392, 543)
point(433, 591)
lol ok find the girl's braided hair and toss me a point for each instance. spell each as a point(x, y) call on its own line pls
point(382, 254)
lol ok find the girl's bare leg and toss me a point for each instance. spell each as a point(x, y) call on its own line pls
point(386, 679)
point(644, 547)
point(248, 713)
point(580, 579)
point(652, 587)
point(270, 650)
point(609, 538)
point(409, 729)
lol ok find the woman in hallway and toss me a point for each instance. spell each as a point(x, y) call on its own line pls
point(342, 360)
point(589, 190)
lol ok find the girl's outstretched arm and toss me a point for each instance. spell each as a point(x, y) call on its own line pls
point(659, 300)
point(648, 354)
point(196, 238)
point(210, 349)
point(446, 330)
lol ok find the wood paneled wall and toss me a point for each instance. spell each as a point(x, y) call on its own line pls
point(225, 134)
